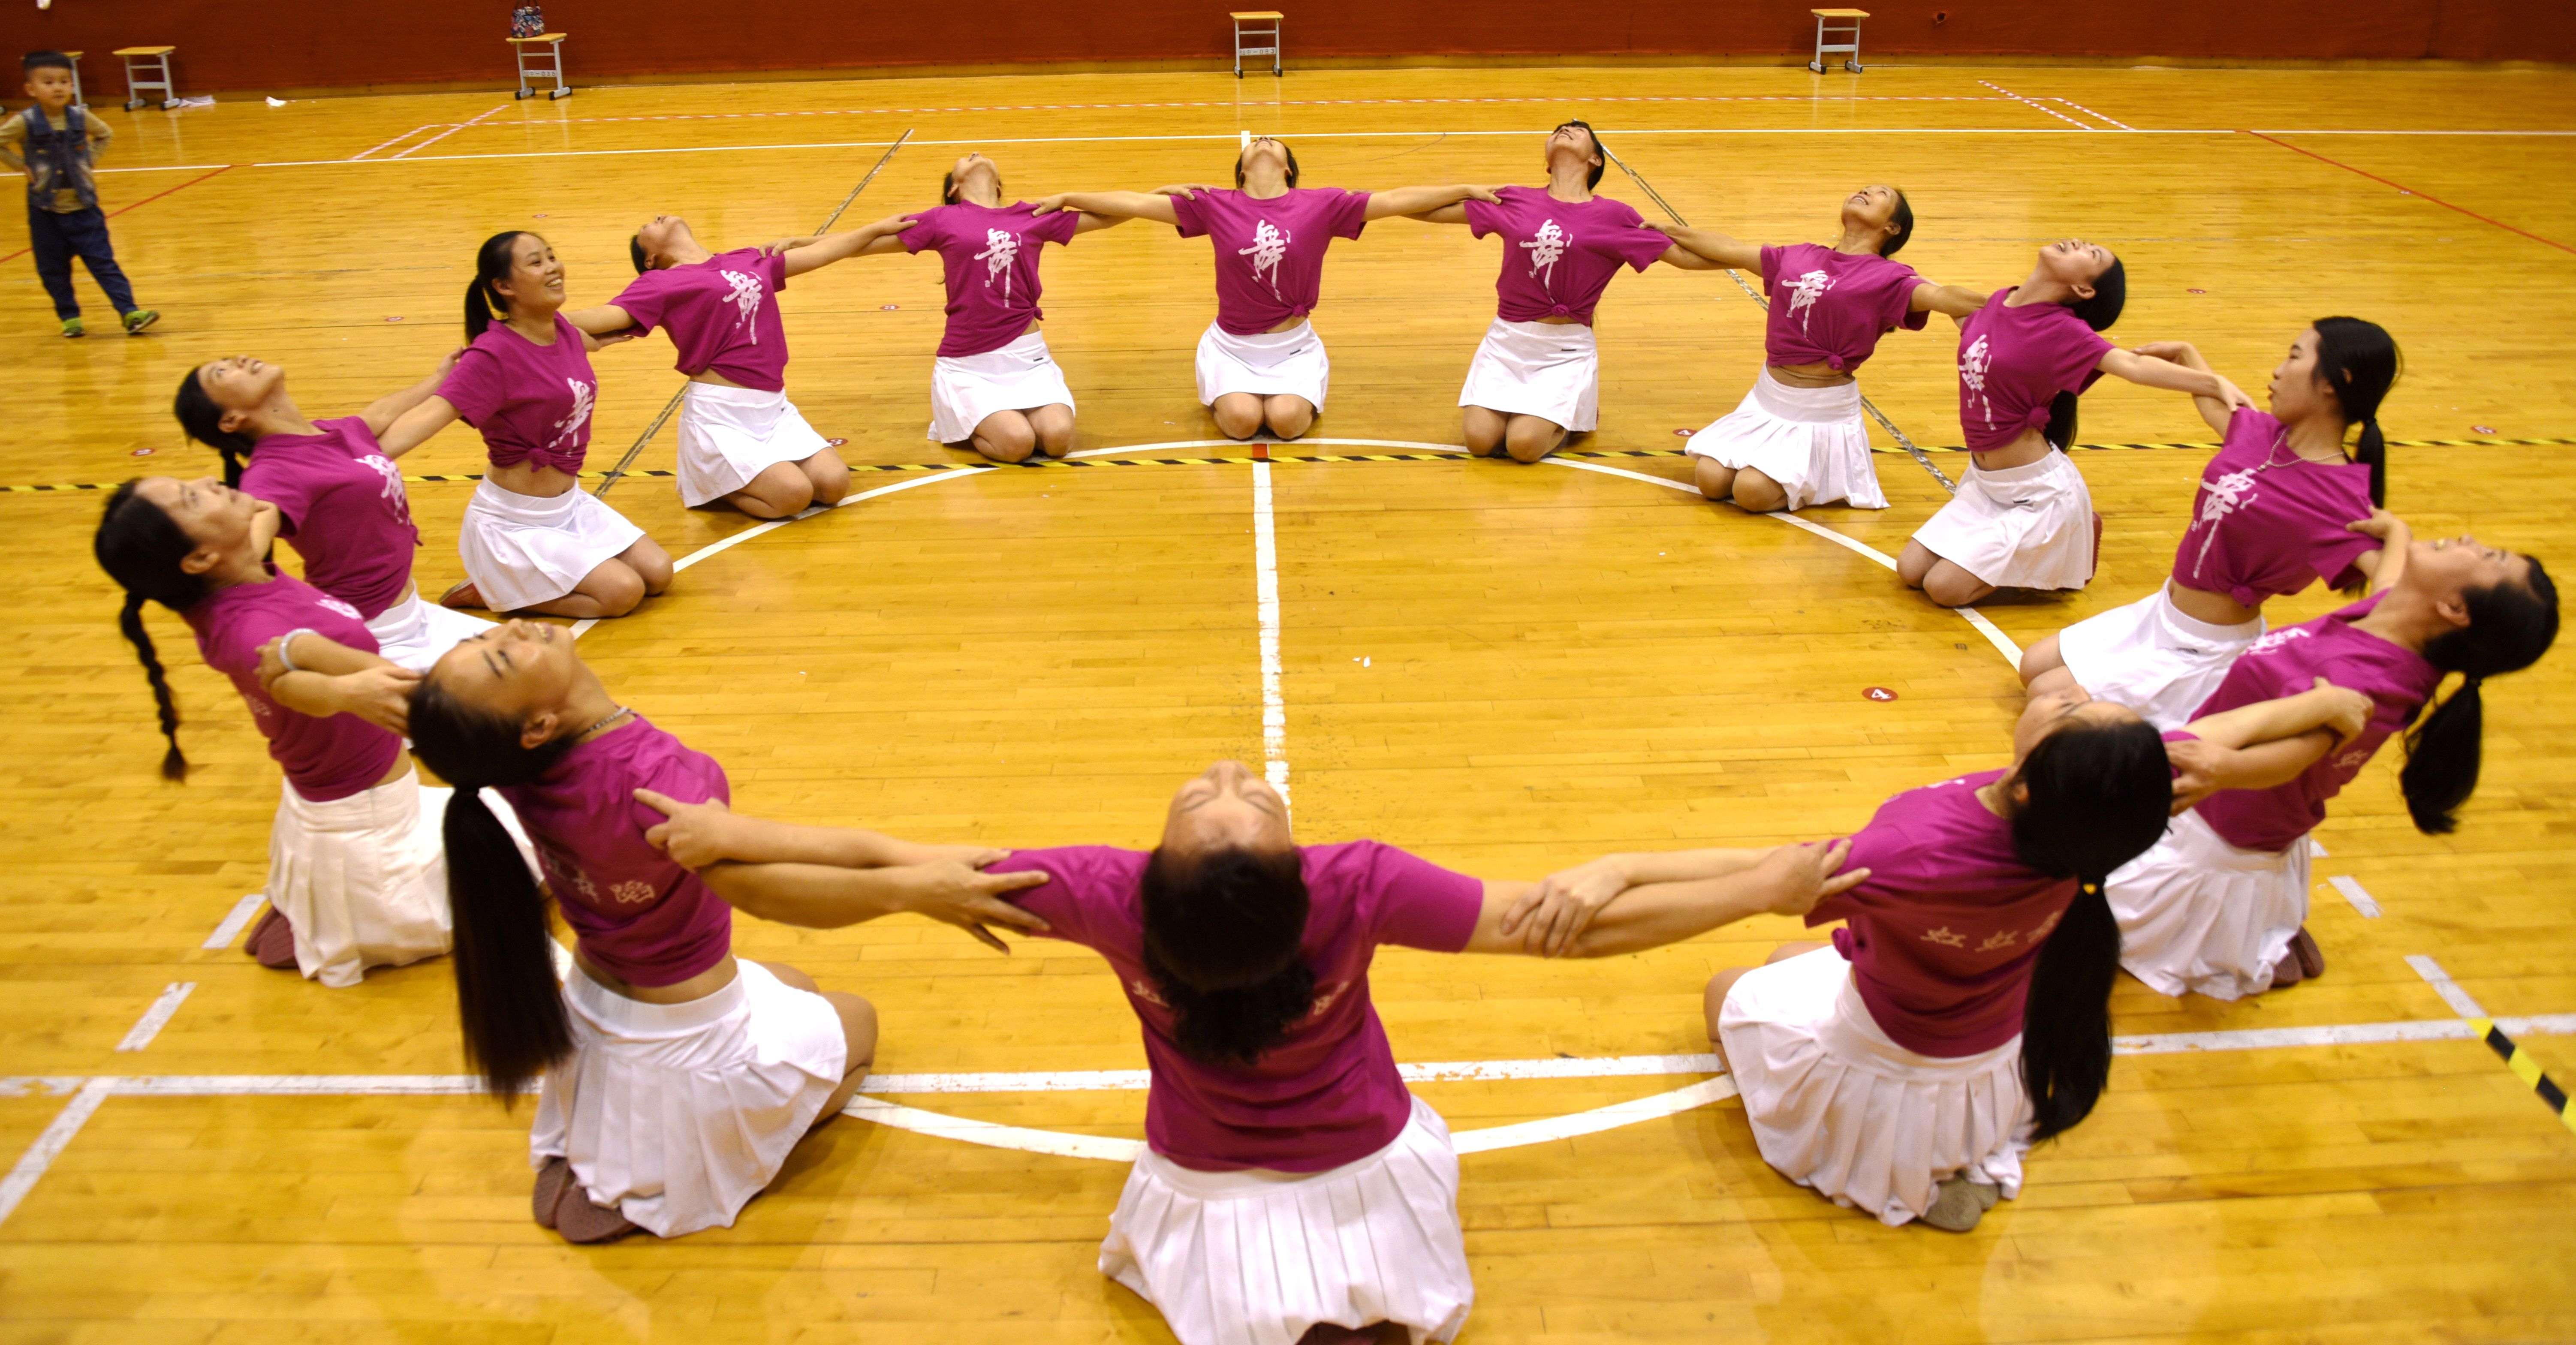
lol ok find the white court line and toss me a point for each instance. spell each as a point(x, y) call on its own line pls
point(157, 1017)
point(233, 921)
point(2091, 113)
point(49, 1145)
point(1273, 444)
point(1598, 1119)
point(1265, 567)
point(2460, 1000)
point(2355, 893)
point(2035, 103)
point(406, 153)
point(396, 140)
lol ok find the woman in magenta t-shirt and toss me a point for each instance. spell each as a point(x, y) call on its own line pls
point(1963, 1012)
point(533, 540)
point(1289, 1180)
point(1536, 376)
point(2220, 905)
point(2023, 517)
point(356, 878)
point(339, 497)
point(676, 1077)
point(1260, 364)
point(741, 440)
point(2278, 509)
point(1798, 438)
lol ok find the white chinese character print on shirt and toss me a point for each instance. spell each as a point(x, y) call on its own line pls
point(2222, 497)
point(1545, 247)
point(746, 300)
point(393, 489)
point(1973, 363)
point(1269, 248)
point(583, 394)
point(1803, 294)
point(1001, 248)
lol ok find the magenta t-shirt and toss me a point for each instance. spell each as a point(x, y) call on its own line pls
point(990, 257)
point(721, 314)
point(1330, 1093)
point(2014, 361)
point(342, 505)
point(2286, 662)
point(531, 402)
point(641, 918)
point(325, 759)
point(1270, 251)
point(2268, 522)
point(1943, 935)
point(1558, 256)
point(1831, 307)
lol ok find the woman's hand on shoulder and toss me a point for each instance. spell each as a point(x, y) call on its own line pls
point(1550, 916)
point(696, 834)
point(1803, 875)
point(380, 695)
point(2347, 710)
point(956, 892)
point(1185, 190)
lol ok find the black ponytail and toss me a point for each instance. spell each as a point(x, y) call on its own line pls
point(507, 999)
point(140, 548)
point(1904, 222)
point(203, 421)
point(1222, 935)
point(2098, 797)
point(483, 304)
point(2358, 362)
point(2110, 295)
point(2510, 627)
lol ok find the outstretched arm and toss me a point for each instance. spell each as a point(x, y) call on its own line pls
point(1415, 201)
point(815, 896)
point(602, 320)
point(314, 675)
point(413, 427)
point(2212, 409)
point(389, 408)
point(1122, 205)
point(1447, 214)
point(2388, 564)
point(1788, 880)
point(874, 239)
point(1950, 300)
point(700, 834)
point(2149, 371)
point(1717, 248)
point(1552, 912)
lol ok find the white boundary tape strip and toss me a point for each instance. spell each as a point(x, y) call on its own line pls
point(2354, 892)
point(49, 1145)
point(1274, 705)
point(233, 921)
point(157, 1017)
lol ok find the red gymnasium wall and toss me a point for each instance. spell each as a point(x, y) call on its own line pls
point(302, 44)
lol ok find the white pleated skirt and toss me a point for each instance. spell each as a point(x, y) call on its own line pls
point(2197, 914)
point(1265, 364)
point(1839, 1108)
point(730, 435)
point(2021, 527)
point(415, 634)
point(521, 550)
point(2153, 658)
point(361, 880)
point(1810, 440)
point(1258, 1257)
point(1550, 370)
point(964, 389)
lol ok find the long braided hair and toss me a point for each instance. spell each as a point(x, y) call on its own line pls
point(140, 547)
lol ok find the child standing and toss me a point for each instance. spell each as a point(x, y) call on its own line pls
point(55, 143)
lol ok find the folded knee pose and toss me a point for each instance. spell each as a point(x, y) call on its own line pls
point(741, 440)
point(1291, 1185)
point(1260, 364)
point(1799, 437)
point(676, 1077)
point(2219, 906)
point(2023, 517)
point(2278, 509)
point(340, 499)
point(355, 874)
point(1536, 377)
point(533, 540)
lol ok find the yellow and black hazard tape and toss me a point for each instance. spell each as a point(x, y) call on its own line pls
point(2525, 1068)
point(1319, 457)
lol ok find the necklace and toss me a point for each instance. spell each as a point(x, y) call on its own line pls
point(613, 716)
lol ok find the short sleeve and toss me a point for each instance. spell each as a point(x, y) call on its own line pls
point(1417, 903)
point(1086, 887)
point(1350, 214)
point(643, 301)
point(1485, 217)
point(773, 270)
point(272, 478)
point(1900, 284)
point(1056, 228)
point(929, 230)
point(2081, 356)
point(1771, 254)
point(1191, 213)
point(1636, 245)
point(234, 651)
point(690, 777)
point(475, 386)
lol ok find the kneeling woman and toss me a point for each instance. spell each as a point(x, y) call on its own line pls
point(741, 440)
point(676, 1078)
point(2278, 509)
point(2023, 517)
point(1260, 364)
point(533, 540)
point(1798, 438)
point(1290, 1182)
point(355, 874)
point(1901, 1069)
point(339, 497)
point(2220, 905)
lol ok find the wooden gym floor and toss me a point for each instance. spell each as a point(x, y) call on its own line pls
point(1508, 668)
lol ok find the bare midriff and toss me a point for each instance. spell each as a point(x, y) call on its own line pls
point(528, 478)
point(2215, 608)
point(697, 987)
point(2031, 446)
point(1555, 320)
point(1817, 375)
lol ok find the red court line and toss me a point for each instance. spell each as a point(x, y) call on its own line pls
point(122, 209)
point(2483, 219)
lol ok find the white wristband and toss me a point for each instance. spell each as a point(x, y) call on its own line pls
point(286, 642)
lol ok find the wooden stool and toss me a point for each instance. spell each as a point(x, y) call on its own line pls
point(77, 100)
point(141, 65)
point(525, 48)
point(1258, 32)
point(1838, 23)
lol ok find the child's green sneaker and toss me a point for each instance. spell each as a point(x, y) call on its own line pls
point(139, 319)
point(73, 327)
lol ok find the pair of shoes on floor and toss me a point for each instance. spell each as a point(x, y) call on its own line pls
point(272, 942)
point(558, 1203)
point(2303, 961)
point(135, 322)
point(1960, 1203)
